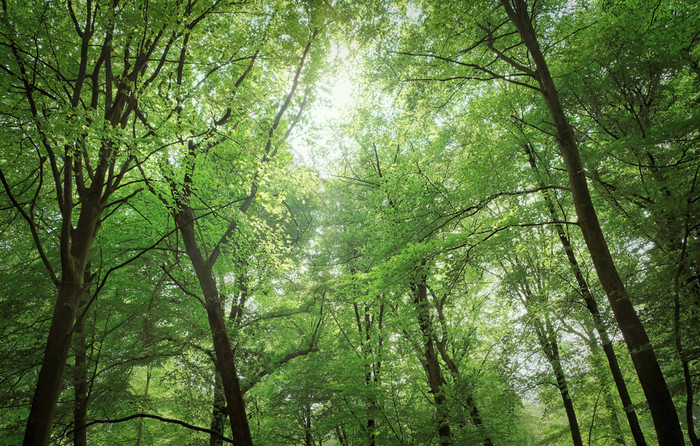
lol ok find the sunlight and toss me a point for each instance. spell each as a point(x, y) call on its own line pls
point(335, 98)
point(342, 92)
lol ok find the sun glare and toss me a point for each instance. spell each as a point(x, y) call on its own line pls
point(341, 96)
point(335, 98)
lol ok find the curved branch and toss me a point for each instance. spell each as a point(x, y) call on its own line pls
point(483, 69)
point(155, 417)
point(32, 228)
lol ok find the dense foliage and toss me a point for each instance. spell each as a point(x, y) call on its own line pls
point(205, 240)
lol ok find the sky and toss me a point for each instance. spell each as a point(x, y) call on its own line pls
point(335, 99)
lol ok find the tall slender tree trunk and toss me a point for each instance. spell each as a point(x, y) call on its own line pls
point(685, 364)
point(218, 415)
point(371, 348)
point(235, 404)
point(563, 385)
point(661, 405)
point(548, 341)
point(603, 377)
point(139, 436)
point(593, 309)
point(477, 420)
point(75, 247)
point(431, 364)
point(184, 218)
point(50, 379)
point(80, 382)
point(341, 435)
point(308, 439)
point(547, 338)
point(470, 403)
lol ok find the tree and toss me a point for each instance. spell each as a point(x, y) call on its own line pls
point(509, 35)
point(660, 403)
point(70, 106)
point(437, 277)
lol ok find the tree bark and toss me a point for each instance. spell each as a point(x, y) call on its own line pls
point(551, 348)
point(80, 384)
point(75, 246)
point(593, 309)
point(685, 364)
point(50, 380)
point(372, 368)
point(547, 338)
point(430, 361)
point(661, 405)
point(139, 436)
point(599, 368)
point(548, 341)
point(470, 403)
point(218, 415)
point(308, 439)
point(235, 404)
point(341, 436)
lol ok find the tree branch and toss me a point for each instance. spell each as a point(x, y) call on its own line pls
point(32, 228)
point(154, 417)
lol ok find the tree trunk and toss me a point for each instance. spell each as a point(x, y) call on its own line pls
point(341, 436)
point(139, 436)
point(218, 415)
point(477, 420)
point(50, 380)
point(470, 403)
point(372, 408)
point(80, 371)
point(685, 365)
point(596, 361)
point(80, 383)
point(566, 396)
point(224, 354)
point(661, 405)
point(548, 340)
point(372, 368)
point(308, 439)
point(431, 364)
point(593, 309)
point(74, 250)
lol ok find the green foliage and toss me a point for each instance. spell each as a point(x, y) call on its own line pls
point(425, 180)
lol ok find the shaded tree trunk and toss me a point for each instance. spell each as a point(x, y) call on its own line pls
point(218, 415)
point(308, 439)
point(80, 381)
point(75, 246)
point(470, 403)
point(548, 341)
point(600, 371)
point(555, 362)
point(685, 363)
point(235, 404)
point(139, 437)
point(341, 435)
point(203, 267)
point(593, 309)
point(50, 379)
point(661, 405)
point(430, 361)
point(547, 338)
point(372, 367)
